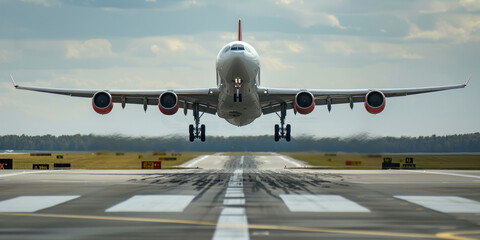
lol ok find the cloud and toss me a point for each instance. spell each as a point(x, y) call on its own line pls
point(458, 28)
point(275, 64)
point(3, 55)
point(338, 47)
point(470, 5)
point(93, 48)
point(307, 15)
point(45, 3)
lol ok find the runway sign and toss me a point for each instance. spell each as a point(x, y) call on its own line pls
point(388, 164)
point(167, 158)
point(151, 165)
point(6, 164)
point(353, 163)
point(40, 154)
point(58, 166)
point(41, 167)
point(409, 163)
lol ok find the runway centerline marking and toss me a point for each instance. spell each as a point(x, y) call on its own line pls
point(232, 222)
point(441, 235)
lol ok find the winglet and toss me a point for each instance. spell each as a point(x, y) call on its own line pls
point(466, 83)
point(239, 29)
point(13, 81)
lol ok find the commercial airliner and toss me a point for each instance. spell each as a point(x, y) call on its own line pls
point(238, 97)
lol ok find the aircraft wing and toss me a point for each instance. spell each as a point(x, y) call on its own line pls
point(271, 99)
point(206, 97)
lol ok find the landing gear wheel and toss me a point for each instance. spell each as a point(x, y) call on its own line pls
point(202, 133)
point(235, 97)
point(287, 134)
point(190, 129)
point(277, 130)
point(240, 97)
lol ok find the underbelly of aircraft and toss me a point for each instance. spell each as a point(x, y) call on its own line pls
point(239, 113)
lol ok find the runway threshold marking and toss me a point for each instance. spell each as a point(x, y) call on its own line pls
point(320, 203)
point(33, 203)
point(445, 204)
point(441, 235)
point(153, 203)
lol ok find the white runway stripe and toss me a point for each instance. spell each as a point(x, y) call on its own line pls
point(153, 203)
point(233, 212)
point(320, 203)
point(195, 161)
point(235, 216)
point(445, 204)
point(33, 203)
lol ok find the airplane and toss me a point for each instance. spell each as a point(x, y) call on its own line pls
point(238, 97)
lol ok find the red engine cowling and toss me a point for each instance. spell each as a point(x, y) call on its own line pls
point(375, 102)
point(102, 102)
point(168, 103)
point(304, 102)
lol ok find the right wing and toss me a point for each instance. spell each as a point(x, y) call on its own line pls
point(272, 99)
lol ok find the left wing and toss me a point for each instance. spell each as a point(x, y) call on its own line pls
point(207, 98)
point(272, 99)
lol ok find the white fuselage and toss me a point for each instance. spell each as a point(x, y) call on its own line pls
point(238, 64)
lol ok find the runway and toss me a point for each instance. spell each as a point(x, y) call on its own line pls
point(239, 197)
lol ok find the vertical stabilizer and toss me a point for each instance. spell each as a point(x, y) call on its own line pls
point(239, 29)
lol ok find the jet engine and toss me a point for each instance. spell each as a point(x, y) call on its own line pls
point(102, 102)
point(304, 102)
point(374, 102)
point(168, 103)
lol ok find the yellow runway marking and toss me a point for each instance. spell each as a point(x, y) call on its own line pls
point(445, 235)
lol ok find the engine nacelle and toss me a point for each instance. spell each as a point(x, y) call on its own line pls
point(102, 102)
point(168, 103)
point(304, 102)
point(375, 102)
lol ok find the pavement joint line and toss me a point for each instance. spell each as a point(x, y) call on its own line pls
point(443, 173)
point(442, 235)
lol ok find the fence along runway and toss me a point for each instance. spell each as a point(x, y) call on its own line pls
point(383, 204)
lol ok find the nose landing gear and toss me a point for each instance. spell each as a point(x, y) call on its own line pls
point(238, 84)
point(282, 131)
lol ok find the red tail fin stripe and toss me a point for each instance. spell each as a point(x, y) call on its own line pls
point(239, 29)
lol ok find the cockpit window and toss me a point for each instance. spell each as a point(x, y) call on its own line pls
point(237, 47)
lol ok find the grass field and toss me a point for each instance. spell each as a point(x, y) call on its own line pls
point(107, 160)
point(112, 160)
point(374, 161)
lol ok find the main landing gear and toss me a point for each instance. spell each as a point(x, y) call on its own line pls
point(237, 95)
point(194, 130)
point(282, 131)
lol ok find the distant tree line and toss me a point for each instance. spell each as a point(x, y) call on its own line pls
point(358, 144)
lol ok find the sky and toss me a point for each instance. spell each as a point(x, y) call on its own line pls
point(149, 44)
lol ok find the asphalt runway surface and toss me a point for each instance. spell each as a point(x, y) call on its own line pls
point(239, 197)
